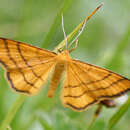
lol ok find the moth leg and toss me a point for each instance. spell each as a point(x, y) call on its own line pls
point(96, 114)
point(76, 43)
point(76, 38)
point(107, 103)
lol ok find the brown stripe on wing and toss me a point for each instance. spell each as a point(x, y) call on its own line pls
point(87, 91)
point(24, 59)
point(18, 68)
point(79, 108)
point(86, 84)
point(24, 66)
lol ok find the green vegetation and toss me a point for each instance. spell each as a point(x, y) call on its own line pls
point(105, 42)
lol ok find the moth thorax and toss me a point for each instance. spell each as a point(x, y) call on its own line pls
point(63, 57)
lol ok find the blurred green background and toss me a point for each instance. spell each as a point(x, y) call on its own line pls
point(104, 42)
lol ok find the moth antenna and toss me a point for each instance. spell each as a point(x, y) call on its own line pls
point(94, 11)
point(65, 37)
point(80, 32)
point(84, 23)
point(76, 43)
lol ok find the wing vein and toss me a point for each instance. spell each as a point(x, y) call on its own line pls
point(20, 53)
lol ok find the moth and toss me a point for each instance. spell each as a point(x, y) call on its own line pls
point(27, 69)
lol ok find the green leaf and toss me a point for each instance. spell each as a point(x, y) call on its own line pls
point(12, 112)
point(118, 115)
point(116, 61)
point(55, 23)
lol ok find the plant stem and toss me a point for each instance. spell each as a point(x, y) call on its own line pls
point(55, 24)
point(10, 115)
point(117, 116)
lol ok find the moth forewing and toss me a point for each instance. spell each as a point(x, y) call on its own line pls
point(24, 73)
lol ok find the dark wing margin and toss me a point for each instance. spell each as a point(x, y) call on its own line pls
point(26, 66)
point(87, 84)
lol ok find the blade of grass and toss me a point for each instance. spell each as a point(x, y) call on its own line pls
point(27, 5)
point(14, 108)
point(116, 59)
point(55, 24)
point(123, 109)
point(117, 116)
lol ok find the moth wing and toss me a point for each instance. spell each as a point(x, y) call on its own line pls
point(27, 67)
point(87, 84)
